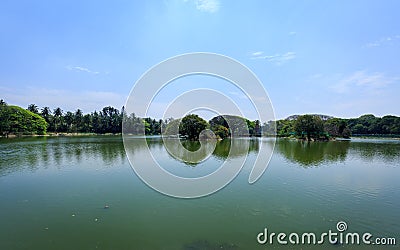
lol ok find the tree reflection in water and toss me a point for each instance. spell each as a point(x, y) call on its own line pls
point(21, 154)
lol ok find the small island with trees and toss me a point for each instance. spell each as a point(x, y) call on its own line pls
point(17, 121)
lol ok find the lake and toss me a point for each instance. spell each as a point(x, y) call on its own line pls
point(81, 193)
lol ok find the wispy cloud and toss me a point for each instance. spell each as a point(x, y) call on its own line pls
point(210, 6)
point(292, 33)
point(362, 80)
point(82, 69)
point(257, 53)
point(277, 59)
point(383, 41)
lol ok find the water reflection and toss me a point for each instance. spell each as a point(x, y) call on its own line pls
point(43, 152)
point(310, 154)
point(387, 150)
point(238, 146)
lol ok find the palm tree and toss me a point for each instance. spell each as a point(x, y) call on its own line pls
point(69, 120)
point(78, 120)
point(33, 108)
point(57, 118)
point(46, 114)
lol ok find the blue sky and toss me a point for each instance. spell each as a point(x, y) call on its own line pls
point(339, 58)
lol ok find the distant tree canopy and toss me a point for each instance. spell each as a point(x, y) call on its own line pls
point(309, 126)
point(239, 126)
point(191, 126)
point(312, 127)
point(16, 120)
point(369, 124)
point(339, 127)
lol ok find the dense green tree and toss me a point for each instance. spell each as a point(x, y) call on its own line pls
point(111, 121)
point(390, 125)
point(57, 120)
point(236, 125)
point(96, 123)
point(220, 127)
point(191, 126)
point(220, 131)
point(4, 118)
point(250, 126)
point(69, 121)
point(33, 108)
point(46, 114)
point(309, 125)
point(257, 128)
point(152, 126)
point(218, 120)
point(16, 120)
point(78, 120)
point(371, 125)
point(285, 127)
point(336, 127)
point(86, 126)
point(360, 129)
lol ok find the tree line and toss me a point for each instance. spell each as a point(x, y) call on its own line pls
point(324, 127)
point(192, 125)
point(16, 120)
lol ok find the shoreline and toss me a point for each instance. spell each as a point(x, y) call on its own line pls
point(57, 135)
point(11, 136)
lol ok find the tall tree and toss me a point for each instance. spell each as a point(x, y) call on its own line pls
point(33, 108)
point(57, 118)
point(78, 120)
point(46, 114)
point(96, 122)
point(69, 121)
point(4, 118)
point(17, 120)
point(191, 126)
point(309, 125)
point(336, 127)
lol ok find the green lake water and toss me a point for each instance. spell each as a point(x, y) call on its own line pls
point(53, 193)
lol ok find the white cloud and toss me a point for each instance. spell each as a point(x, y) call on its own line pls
point(257, 53)
point(383, 41)
point(82, 69)
point(362, 80)
point(277, 59)
point(210, 6)
point(292, 33)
